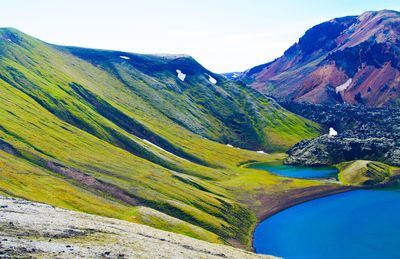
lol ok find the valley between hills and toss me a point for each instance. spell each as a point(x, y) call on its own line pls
point(159, 140)
point(126, 138)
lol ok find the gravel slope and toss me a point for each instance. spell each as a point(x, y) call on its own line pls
point(39, 230)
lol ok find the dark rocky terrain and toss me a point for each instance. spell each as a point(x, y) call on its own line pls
point(363, 133)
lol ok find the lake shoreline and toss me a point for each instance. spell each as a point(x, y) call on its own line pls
point(281, 201)
point(278, 202)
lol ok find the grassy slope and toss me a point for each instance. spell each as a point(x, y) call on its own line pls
point(224, 112)
point(362, 172)
point(68, 127)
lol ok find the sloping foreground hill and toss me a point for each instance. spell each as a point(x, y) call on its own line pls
point(352, 59)
point(30, 229)
point(130, 137)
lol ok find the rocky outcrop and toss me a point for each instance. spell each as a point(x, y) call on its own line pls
point(329, 150)
point(29, 229)
point(363, 134)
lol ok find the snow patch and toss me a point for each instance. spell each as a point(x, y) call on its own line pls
point(212, 80)
point(180, 75)
point(154, 145)
point(344, 86)
point(229, 145)
point(260, 152)
point(332, 132)
point(124, 57)
point(9, 40)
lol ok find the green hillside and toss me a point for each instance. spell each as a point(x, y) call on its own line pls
point(119, 134)
point(367, 173)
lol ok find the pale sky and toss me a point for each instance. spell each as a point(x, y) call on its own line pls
point(223, 35)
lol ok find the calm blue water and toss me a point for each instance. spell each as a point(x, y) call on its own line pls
point(359, 224)
point(297, 171)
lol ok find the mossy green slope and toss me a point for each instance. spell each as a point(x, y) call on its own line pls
point(366, 173)
point(88, 130)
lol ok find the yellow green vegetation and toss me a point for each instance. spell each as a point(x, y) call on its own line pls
point(86, 130)
point(364, 173)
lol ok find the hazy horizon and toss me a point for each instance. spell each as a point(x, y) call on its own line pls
point(223, 36)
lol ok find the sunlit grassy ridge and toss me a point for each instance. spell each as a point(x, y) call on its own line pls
point(87, 130)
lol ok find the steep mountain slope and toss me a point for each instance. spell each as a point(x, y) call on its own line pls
point(350, 59)
point(203, 102)
point(134, 137)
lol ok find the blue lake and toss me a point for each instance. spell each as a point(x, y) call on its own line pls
point(297, 171)
point(358, 224)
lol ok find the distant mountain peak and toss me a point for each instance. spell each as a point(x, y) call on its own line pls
point(363, 48)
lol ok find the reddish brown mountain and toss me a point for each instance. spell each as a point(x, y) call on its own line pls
point(352, 59)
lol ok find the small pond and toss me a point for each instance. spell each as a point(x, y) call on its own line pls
point(296, 171)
